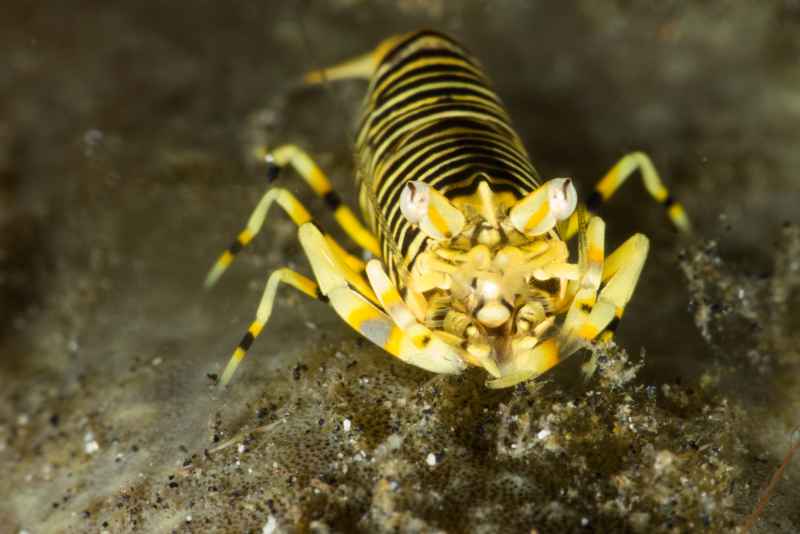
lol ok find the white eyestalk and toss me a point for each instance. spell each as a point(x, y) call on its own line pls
point(414, 201)
point(431, 211)
point(563, 198)
point(539, 211)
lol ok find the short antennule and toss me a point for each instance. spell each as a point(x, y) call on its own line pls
point(539, 211)
point(424, 206)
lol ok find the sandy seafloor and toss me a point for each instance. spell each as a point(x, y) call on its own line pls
point(125, 137)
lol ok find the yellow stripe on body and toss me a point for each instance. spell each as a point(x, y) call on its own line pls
point(391, 103)
point(424, 62)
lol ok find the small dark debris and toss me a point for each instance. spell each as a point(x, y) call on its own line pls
point(298, 370)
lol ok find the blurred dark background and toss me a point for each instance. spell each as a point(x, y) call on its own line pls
point(126, 130)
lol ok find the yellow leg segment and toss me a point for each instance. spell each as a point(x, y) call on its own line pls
point(427, 348)
point(363, 66)
point(577, 324)
point(302, 163)
point(285, 276)
point(583, 322)
point(620, 275)
point(292, 207)
point(337, 282)
point(619, 173)
point(414, 344)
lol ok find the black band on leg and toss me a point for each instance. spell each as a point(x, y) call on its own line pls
point(236, 247)
point(273, 171)
point(246, 341)
point(332, 199)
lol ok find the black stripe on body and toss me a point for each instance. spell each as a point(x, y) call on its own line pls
point(421, 158)
point(420, 35)
point(445, 158)
point(455, 170)
point(428, 75)
point(430, 115)
point(434, 57)
point(418, 117)
point(412, 99)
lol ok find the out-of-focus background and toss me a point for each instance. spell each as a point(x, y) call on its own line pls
point(126, 133)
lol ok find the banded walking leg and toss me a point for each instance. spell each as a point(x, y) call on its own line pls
point(620, 274)
point(596, 314)
point(426, 349)
point(579, 323)
point(314, 177)
point(415, 345)
point(285, 276)
point(352, 285)
point(293, 208)
point(614, 179)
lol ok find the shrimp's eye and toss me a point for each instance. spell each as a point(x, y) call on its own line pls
point(414, 201)
point(562, 198)
point(539, 211)
point(425, 207)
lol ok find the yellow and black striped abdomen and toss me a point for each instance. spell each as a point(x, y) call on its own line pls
point(431, 115)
